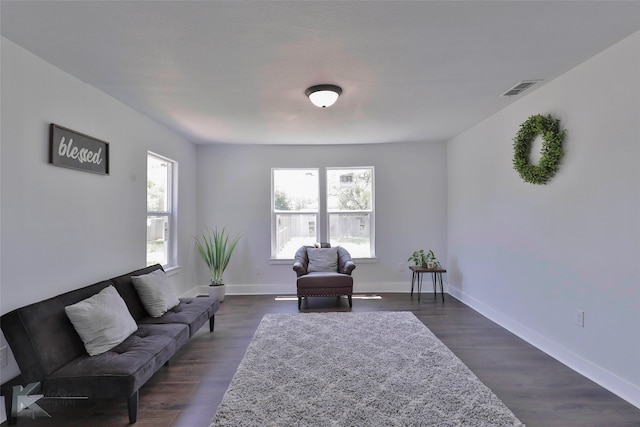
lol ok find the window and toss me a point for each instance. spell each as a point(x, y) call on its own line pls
point(161, 237)
point(350, 210)
point(295, 210)
point(332, 205)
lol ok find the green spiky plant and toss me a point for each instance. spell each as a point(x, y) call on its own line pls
point(215, 248)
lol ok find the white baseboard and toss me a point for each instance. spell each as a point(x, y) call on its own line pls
point(619, 386)
point(290, 289)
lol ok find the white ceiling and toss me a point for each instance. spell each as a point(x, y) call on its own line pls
point(236, 71)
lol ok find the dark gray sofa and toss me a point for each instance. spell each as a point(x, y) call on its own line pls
point(48, 349)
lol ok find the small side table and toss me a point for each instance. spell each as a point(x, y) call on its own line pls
point(436, 276)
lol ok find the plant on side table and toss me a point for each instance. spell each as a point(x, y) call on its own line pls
point(432, 262)
point(215, 248)
point(422, 259)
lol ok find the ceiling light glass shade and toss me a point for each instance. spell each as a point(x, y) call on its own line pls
point(323, 95)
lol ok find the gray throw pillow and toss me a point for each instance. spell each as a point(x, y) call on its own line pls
point(155, 292)
point(322, 259)
point(102, 321)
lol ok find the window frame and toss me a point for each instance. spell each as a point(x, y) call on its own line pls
point(323, 213)
point(274, 214)
point(170, 213)
point(370, 212)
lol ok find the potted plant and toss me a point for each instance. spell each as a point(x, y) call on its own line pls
point(419, 258)
point(422, 259)
point(432, 262)
point(215, 248)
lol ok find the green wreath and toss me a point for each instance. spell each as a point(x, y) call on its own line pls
point(552, 138)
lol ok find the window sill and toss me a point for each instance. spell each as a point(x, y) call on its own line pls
point(282, 261)
point(365, 260)
point(172, 271)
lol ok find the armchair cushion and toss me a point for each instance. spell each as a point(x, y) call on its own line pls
point(322, 260)
point(328, 281)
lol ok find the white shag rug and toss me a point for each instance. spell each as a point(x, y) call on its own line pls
point(355, 369)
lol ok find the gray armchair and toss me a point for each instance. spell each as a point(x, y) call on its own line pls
point(323, 271)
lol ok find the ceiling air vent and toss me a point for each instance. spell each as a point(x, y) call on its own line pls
point(520, 87)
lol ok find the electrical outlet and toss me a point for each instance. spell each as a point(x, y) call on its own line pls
point(258, 270)
point(3, 356)
point(400, 267)
point(579, 318)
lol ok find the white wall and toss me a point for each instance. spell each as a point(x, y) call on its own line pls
point(528, 256)
point(61, 228)
point(234, 188)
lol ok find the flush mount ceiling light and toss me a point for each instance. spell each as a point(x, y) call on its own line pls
point(323, 95)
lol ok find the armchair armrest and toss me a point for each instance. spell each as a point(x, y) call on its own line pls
point(345, 263)
point(348, 267)
point(299, 268)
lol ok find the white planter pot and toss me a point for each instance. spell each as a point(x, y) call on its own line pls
point(217, 291)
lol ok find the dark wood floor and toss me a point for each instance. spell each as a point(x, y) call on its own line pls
point(537, 388)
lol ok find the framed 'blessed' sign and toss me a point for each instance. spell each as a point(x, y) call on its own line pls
point(75, 150)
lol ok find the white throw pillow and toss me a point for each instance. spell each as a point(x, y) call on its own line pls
point(103, 321)
point(155, 292)
point(322, 259)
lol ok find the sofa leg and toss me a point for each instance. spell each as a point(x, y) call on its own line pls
point(8, 407)
point(212, 322)
point(132, 403)
point(299, 302)
point(350, 303)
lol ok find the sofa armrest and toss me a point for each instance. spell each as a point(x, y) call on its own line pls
point(299, 268)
